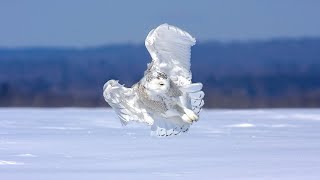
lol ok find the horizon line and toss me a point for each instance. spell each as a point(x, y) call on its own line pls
point(230, 41)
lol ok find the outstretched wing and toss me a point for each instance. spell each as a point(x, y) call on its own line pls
point(124, 101)
point(170, 49)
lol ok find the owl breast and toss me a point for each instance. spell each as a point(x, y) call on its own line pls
point(158, 103)
point(154, 105)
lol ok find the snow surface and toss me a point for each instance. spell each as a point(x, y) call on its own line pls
point(79, 143)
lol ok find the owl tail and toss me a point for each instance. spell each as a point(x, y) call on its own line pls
point(169, 127)
point(193, 97)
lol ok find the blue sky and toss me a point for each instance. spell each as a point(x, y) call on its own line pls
point(96, 22)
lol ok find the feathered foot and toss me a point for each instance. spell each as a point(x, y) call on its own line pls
point(189, 116)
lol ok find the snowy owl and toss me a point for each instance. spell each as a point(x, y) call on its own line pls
point(165, 98)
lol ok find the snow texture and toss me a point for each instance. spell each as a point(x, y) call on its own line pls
point(79, 143)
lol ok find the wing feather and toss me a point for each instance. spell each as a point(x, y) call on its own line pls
point(124, 101)
point(170, 49)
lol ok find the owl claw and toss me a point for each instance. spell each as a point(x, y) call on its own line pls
point(191, 114)
point(186, 119)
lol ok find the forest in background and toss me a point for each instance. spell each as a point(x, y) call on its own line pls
point(239, 74)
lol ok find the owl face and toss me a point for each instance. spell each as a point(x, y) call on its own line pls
point(157, 82)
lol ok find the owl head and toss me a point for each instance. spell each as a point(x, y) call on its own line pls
point(157, 82)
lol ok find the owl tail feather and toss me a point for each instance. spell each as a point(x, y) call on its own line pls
point(169, 127)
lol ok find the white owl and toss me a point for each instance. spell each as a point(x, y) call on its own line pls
point(165, 98)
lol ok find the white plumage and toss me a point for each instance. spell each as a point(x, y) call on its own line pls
point(165, 98)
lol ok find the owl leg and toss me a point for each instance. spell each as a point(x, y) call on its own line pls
point(191, 114)
point(186, 114)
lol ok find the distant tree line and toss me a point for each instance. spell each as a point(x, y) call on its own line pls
point(274, 73)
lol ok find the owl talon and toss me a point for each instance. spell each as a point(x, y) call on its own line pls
point(186, 119)
point(191, 114)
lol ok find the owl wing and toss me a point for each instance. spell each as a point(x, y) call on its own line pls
point(124, 101)
point(170, 49)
